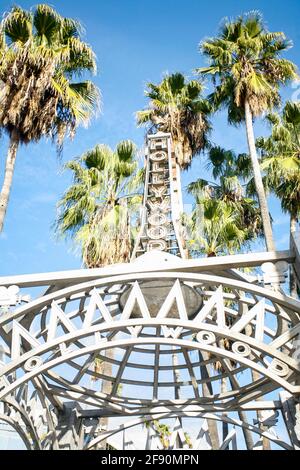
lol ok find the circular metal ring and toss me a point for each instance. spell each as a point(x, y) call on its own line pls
point(279, 368)
point(241, 349)
point(33, 363)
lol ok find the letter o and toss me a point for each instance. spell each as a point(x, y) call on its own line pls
point(206, 337)
point(157, 219)
point(155, 233)
point(241, 349)
point(158, 156)
point(33, 363)
point(279, 368)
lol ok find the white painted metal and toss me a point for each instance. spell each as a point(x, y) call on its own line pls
point(237, 335)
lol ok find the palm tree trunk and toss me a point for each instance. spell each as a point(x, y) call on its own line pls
point(293, 283)
point(258, 180)
point(176, 377)
point(256, 376)
point(106, 388)
point(224, 424)
point(242, 414)
point(176, 203)
point(8, 176)
point(246, 432)
point(207, 391)
point(265, 441)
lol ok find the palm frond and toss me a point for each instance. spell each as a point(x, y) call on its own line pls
point(143, 117)
point(281, 157)
point(17, 25)
point(247, 55)
point(41, 52)
point(177, 107)
point(95, 210)
point(47, 22)
point(126, 150)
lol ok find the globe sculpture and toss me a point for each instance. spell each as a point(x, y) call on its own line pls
point(164, 352)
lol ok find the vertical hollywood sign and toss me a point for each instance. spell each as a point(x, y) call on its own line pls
point(158, 200)
point(157, 230)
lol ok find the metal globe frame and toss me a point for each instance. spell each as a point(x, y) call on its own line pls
point(231, 359)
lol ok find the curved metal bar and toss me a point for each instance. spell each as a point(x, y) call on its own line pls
point(34, 306)
point(20, 432)
point(105, 345)
point(235, 422)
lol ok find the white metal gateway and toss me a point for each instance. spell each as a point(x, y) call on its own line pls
point(202, 355)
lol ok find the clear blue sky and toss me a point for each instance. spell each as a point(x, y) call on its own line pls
point(135, 41)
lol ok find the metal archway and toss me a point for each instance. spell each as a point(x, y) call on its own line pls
point(53, 341)
point(183, 338)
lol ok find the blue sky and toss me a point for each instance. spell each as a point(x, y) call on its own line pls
point(135, 42)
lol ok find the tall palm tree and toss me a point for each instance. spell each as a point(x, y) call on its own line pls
point(177, 106)
point(95, 212)
point(41, 55)
point(247, 70)
point(280, 160)
point(225, 219)
point(95, 209)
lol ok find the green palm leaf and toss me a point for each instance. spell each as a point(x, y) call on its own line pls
point(17, 26)
point(177, 107)
point(96, 211)
point(47, 49)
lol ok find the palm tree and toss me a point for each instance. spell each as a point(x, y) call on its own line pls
point(177, 106)
point(224, 218)
point(218, 233)
point(223, 221)
point(95, 213)
point(95, 209)
point(164, 433)
point(247, 70)
point(280, 160)
point(41, 54)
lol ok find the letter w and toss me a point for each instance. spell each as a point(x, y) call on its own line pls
point(18, 332)
point(56, 316)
